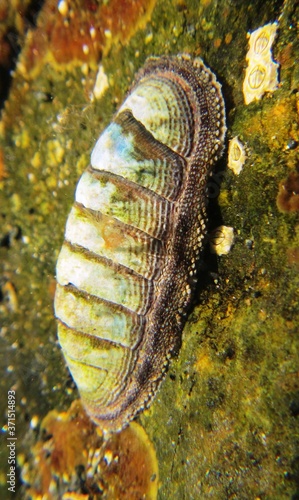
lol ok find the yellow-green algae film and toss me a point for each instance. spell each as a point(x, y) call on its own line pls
point(225, 422)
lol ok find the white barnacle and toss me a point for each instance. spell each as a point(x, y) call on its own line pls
point(221, 240)
point(236, 155)
point(261, 41)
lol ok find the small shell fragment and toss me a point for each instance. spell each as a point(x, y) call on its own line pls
point(236, 155)
point(101, 84)
point(221, 240)
point(9, 296)
point(63, 7)
point(262, 72)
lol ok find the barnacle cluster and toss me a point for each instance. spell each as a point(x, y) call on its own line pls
point(262, 72)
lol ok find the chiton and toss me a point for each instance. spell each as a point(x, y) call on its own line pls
point(127, 268)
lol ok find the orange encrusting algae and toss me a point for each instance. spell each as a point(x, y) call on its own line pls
point(81, 32)
point(71, 460)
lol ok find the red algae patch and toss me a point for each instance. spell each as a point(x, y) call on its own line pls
point(288, 195)
point(72, 460)
point(3, 172)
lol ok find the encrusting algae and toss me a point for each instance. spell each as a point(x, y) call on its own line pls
point(288, 195)
point(71, 460)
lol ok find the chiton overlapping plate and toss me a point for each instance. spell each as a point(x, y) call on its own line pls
point(127, 268)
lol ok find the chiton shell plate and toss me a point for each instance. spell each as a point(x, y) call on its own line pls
point(127, 268)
